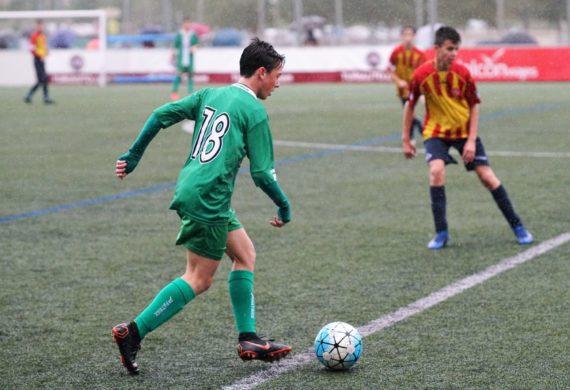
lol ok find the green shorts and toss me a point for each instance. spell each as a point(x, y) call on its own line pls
point(204, 239)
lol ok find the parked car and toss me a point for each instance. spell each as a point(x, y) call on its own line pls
point(512, 38)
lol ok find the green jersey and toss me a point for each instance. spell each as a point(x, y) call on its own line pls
point(183, 43)
point(230, 123)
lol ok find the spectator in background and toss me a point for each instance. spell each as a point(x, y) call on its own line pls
point(404, 60)
point(38, 44)
point(311, 39)
point(184, 44)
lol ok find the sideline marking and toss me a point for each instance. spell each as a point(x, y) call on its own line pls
point(405, 312)
point(387, 149)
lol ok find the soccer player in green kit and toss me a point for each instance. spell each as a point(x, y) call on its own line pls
point(184, 44)
point(231, 123)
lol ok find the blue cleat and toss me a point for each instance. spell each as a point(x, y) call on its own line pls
point(523, 236)
point(439, 241)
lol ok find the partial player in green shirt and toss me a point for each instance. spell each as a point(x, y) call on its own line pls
point(184, 45)
point(231, 124)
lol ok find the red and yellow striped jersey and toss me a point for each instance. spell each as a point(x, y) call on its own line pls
point(449, 95)
point(405, 62)
point(38, 44)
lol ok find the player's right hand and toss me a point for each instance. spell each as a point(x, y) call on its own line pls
point(408, 149)
point(276, 222)
point(126, 164)
point(283, 216)
point(121, 169)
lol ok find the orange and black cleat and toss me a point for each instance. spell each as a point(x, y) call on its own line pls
point(264, 350)
point(126, 337)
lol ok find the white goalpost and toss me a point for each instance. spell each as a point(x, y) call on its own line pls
point(98, 14)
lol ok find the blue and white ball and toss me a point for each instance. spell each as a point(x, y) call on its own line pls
point(338, 346)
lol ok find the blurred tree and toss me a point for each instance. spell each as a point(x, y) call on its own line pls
point(458, 13)
point(235, 13)
point(526, 10)
point(241, 13)
point(390, 12)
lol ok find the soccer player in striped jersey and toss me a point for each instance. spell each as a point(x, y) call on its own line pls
point(404, 60)
point(39, 49)
point(452, 119)
point(231, 123)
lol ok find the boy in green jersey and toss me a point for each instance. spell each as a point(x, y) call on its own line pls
point(184, 45)
point(231, 124)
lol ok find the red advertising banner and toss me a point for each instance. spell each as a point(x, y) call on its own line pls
point(517, 64)
point(485, 64)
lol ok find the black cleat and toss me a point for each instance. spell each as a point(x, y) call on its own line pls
point(264, 350)
point(129, 344)
point(48, 101)
point(27, 99)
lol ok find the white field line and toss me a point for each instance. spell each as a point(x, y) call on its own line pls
point(414, 308)
point(386, 149)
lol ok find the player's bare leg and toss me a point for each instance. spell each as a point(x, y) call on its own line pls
point(200, 272)
point(487, 177)
point(241, 251)
point(436, 173)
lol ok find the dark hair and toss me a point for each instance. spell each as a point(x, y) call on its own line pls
point(446, 33)
point(259, 54)
point(408, 27)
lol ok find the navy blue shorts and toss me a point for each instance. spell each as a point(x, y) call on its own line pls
point(438, 149)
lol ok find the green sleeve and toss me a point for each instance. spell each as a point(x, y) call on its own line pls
point(178, 41)
point(194, 40)
point(259, 145)
point(146, 135)
point(276, 194)
point(174, 112)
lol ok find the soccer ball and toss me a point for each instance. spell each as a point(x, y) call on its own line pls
point(338, 346)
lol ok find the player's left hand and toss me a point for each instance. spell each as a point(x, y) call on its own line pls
point(276, 222)
point(409, 150)
point(469, 151)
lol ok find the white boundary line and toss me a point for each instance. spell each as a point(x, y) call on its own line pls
point(405, 312)
point(386, 149)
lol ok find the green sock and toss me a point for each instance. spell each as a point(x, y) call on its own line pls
point(190, 84)
point(176, 83)
point(169, 301)
point(241, 294)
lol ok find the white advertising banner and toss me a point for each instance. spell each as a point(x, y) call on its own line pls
point(217, 64)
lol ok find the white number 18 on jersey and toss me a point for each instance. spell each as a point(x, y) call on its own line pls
point(210, 147)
